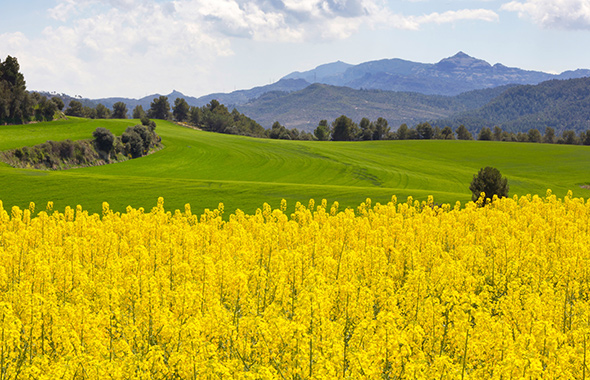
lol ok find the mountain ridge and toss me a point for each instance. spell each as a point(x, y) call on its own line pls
point(450, 76)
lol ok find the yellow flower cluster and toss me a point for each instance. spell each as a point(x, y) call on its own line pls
point(403, 290)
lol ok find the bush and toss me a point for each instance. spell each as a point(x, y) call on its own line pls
point(133, 143)
point(66, 149)
point(103, 139)
point(488, 181)
point(150, 124)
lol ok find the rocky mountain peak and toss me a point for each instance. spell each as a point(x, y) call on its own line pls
point(461, 61)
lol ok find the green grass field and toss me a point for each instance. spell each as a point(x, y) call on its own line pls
point(204, 169)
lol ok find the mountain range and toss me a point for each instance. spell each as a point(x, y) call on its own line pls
point(399, 90)
point(450, 76)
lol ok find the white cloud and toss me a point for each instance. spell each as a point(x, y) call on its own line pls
point(559, 14)
point(149, 45)
point(453, 16)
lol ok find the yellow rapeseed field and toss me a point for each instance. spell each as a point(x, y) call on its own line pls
point(398, 291)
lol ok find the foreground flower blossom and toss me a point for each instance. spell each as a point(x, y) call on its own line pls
point(399, 290)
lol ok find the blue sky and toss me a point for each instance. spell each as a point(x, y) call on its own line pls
point(133, 48)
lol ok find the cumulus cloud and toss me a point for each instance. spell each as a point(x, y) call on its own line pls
point(266, 20)
point(142, 42)
point(453, 16)
point(559, 14)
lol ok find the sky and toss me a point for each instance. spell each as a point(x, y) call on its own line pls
point(135, 48)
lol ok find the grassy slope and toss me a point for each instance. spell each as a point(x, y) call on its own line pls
point(204, 169)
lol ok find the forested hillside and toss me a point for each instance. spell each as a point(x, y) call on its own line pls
point(559, 104)
point(304, 109)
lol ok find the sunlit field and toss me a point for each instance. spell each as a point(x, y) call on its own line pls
point(402, 289)
point(204, 169)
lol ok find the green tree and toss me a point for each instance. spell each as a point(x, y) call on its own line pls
point(343, 129)
point(381, 129)
point(75, 108)
point(279, 132)
point(367, 129)
point(159, 108)
point(447, 133)
point(485, 134)
point(119, 110)
point(522, 137)
point(497, 133)
point(402, 132)
point(463, 133)
point(15, 102)
point(549, 136)
point(216, 118)
point(490, 182)
point(322, 132)
point(569, 137)
point(48, 110)
point(58, 102)
point(181, 109)
point(102, 112)
point(425, 131)
point(534, 135)
point(138, 112)
point(195, 116)
point(89, 112)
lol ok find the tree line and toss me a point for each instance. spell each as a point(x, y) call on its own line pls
point(344, 129)
point(76, 108)
point(216, 117)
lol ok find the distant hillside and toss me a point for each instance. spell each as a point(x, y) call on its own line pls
point(305, 108)
point(244, 96)
point(450, 76)
point(229, 99)
point(560, 104)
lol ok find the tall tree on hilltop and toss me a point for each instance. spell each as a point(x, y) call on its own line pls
point(447, 133)
point(75, 108)
point(534, 135)
point(425, 131)
point(322, 132)
point(381, 129)
point(181, 109)
point(463, 133)
point(485, 134)
point(343, 129)
point(119, 110)
point(15, 103)
point(367, 129)
point(159, 108)
point(402, 132)
point(102, 112)
point(549, 136)
point(497, 132)
point(138, 112)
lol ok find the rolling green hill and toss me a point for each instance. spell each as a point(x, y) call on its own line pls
point(204, 169)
